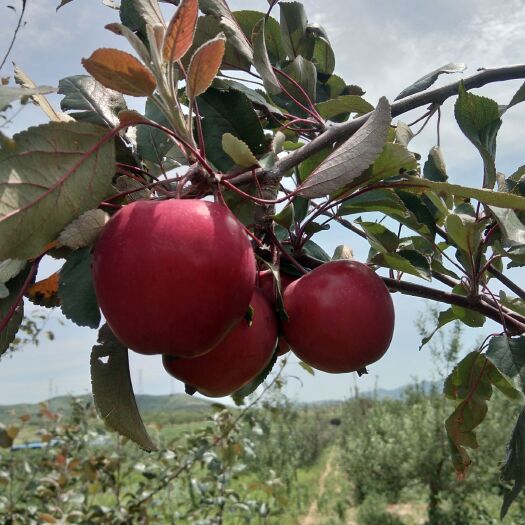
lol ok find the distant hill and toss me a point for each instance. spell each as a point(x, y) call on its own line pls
point(147, 404)
point(184, 404)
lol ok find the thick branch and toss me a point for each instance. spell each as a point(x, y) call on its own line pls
point(514, 323)
point(338, 132)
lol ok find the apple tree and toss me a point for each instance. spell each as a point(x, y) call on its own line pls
point(245, 114)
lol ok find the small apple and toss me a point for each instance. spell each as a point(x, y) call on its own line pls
point(341, 317)
point(236, 360)
point(173, 277)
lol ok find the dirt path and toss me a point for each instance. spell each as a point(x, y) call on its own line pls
point(312, 517)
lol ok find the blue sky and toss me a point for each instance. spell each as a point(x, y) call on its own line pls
point(383, 46)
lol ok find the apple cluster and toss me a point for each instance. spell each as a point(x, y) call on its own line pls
point(179, 278)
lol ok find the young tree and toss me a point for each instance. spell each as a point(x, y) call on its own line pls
point(303, 139)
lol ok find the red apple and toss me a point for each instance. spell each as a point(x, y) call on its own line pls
point(341, 317)
point(267, 286)
point(174, 276)
point(236, 360)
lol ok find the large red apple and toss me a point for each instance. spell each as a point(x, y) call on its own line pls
point(236, 360)
point(341, 317)
point(173, 277)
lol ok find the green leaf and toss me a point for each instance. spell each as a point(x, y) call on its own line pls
point(307, 367)
point(445, 317)
point(435, 168)
point(511, 226)
point(250, 388)
point(50, 175)
point(518, 97)
point(90, 101)
point(514, 303)
point(238, 151)
point(113, 392)
point(228, 112)
point(417, 264)
point(508, 354)
point(490, 197)
point(513, 471)
point(479, 119)
point(380, 238)
point(9, 94)
point(382, 200)
point(465, 315)
point(286, 216)
point(293, 23)
point(76, 291)
point(261, 61)
point(464, 231)
point(311, 163)
point(274, 45)
point(426, 81)
point(14, 286)
point(343, 106)
point(350, 159)
point(322, 55)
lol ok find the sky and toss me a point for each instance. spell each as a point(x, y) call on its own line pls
point(382, 46)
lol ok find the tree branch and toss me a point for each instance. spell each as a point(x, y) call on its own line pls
point(337, 132)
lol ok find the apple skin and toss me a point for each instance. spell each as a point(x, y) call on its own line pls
point(267, 287)
point(236, 360)
point(173, 277)
point(341, 317)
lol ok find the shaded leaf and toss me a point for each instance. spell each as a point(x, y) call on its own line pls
point(76, 291)
point(417, 266)
point(349, 160)
point(15, 285)
point(293, 23)
point(470, 385)
point(479, 119)
point(228, 112)
point(149, 11)
point(518, 97)
point(8, 270)
point(465, 315)
point(404, 134)
point(285, 217)
point(511, 226)
point(83, 231)
point(508, 354)
point(238, 151)
point(53, 173)
point(247, 20)
point(121, 72)
point(426, 81)
point(181, 30)
point(112, 389)
point(343, 106)
point(512, 471)
point(204, 66)
point(435, 168)
point(261, 60)
point(132, 38)
point(221, 12)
